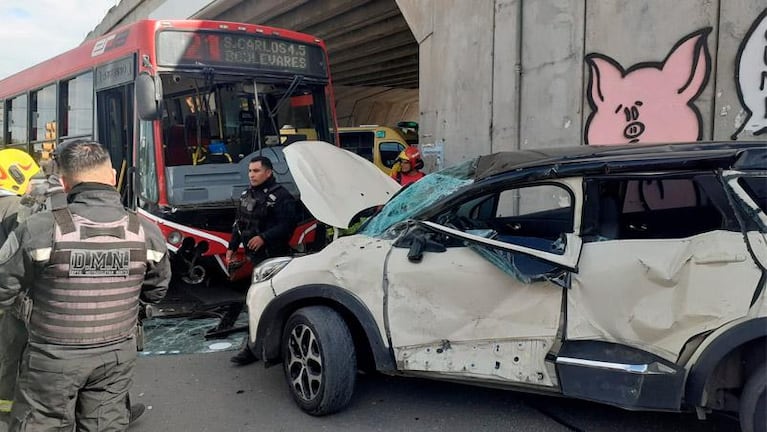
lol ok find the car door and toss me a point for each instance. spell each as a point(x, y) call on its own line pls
point(668, 262)
point(489, 306)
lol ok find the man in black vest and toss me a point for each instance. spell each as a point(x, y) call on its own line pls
point(266, 218)
point(81, 270)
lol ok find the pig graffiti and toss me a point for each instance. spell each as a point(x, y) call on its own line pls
point(751, 77)
point(651, 101)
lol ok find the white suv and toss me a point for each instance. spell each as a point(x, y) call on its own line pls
point(628, 275)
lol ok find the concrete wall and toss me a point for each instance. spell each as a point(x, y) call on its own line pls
point(508, 74)
point(129, 11)
point(375, 105)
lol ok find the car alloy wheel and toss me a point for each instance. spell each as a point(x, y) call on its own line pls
point(319, 360)
point(305, 363)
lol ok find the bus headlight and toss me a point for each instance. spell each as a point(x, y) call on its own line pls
point(175, 238)
point(268, 268)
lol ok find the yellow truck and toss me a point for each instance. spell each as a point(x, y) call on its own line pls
point(378, 144)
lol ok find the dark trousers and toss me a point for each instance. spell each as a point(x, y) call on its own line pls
point(13, 338)
point(62, 387)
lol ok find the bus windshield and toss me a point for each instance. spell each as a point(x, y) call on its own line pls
point(224, 120)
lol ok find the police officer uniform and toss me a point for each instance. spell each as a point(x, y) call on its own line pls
point(82, 270)
point(267, 210)
point(9, 206)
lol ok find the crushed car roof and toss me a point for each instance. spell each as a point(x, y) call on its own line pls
point(564, 160)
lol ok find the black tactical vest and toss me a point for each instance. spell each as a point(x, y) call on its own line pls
point(88, 293)
point(254, 209)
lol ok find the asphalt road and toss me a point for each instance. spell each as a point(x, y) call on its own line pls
point(204, 392)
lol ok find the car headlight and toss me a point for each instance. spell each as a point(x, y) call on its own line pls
point(268, 268)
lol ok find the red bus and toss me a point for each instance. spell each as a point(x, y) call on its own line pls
point(182, 106)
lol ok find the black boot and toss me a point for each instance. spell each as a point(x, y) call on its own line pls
point(244, 357)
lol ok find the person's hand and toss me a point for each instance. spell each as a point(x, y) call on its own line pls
point(255, 243)
point(229, 254)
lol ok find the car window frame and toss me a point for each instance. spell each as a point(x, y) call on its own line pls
point(568, 260)
point(731, 179)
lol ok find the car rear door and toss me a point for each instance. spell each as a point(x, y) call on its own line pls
point(673, 266)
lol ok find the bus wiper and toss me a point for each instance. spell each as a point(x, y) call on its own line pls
point(289, 92)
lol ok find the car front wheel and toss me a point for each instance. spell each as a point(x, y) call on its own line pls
point(319, 360)
point(753, 402)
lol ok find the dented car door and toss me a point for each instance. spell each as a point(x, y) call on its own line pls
point(673, 265)
point(488, 307)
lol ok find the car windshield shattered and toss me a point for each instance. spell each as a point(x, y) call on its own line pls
point(420, 195)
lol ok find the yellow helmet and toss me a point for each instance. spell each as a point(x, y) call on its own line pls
point(16, 169)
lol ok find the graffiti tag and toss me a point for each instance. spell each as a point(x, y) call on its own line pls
point(751, 77)
point(651, 101)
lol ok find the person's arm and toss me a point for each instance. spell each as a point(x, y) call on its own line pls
point(13, 267)
point(234, 242)
point(283, 221)
point(394, 174)
point(9, 216)
point(157, 276)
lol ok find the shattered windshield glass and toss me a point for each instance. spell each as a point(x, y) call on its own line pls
point(420, 195)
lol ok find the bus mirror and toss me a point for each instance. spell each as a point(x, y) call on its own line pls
point(148, 96)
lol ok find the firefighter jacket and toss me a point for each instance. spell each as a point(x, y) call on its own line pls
point(405, 179)
point(89, 262)
point(267, 210)
point(9, 207)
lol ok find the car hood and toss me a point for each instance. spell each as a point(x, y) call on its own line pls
point(336, 184)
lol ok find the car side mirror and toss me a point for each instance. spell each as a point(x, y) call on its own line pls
point(419, 241)
point(415, 254)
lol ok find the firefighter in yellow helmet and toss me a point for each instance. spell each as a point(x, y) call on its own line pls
point(16, 169)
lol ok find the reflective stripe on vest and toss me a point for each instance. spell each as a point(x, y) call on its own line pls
point(88, 293)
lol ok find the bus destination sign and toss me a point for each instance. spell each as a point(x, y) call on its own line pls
point(264, 52)
point(240, 50)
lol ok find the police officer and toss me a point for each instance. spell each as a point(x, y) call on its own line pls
point(41, 194)
point(81, 270)
point(16, 170)
point(266, 218)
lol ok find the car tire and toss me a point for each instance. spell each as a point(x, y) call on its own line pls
point(753, 401)
point(319, 360)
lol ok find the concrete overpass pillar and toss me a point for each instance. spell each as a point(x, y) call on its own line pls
point(456, 57)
